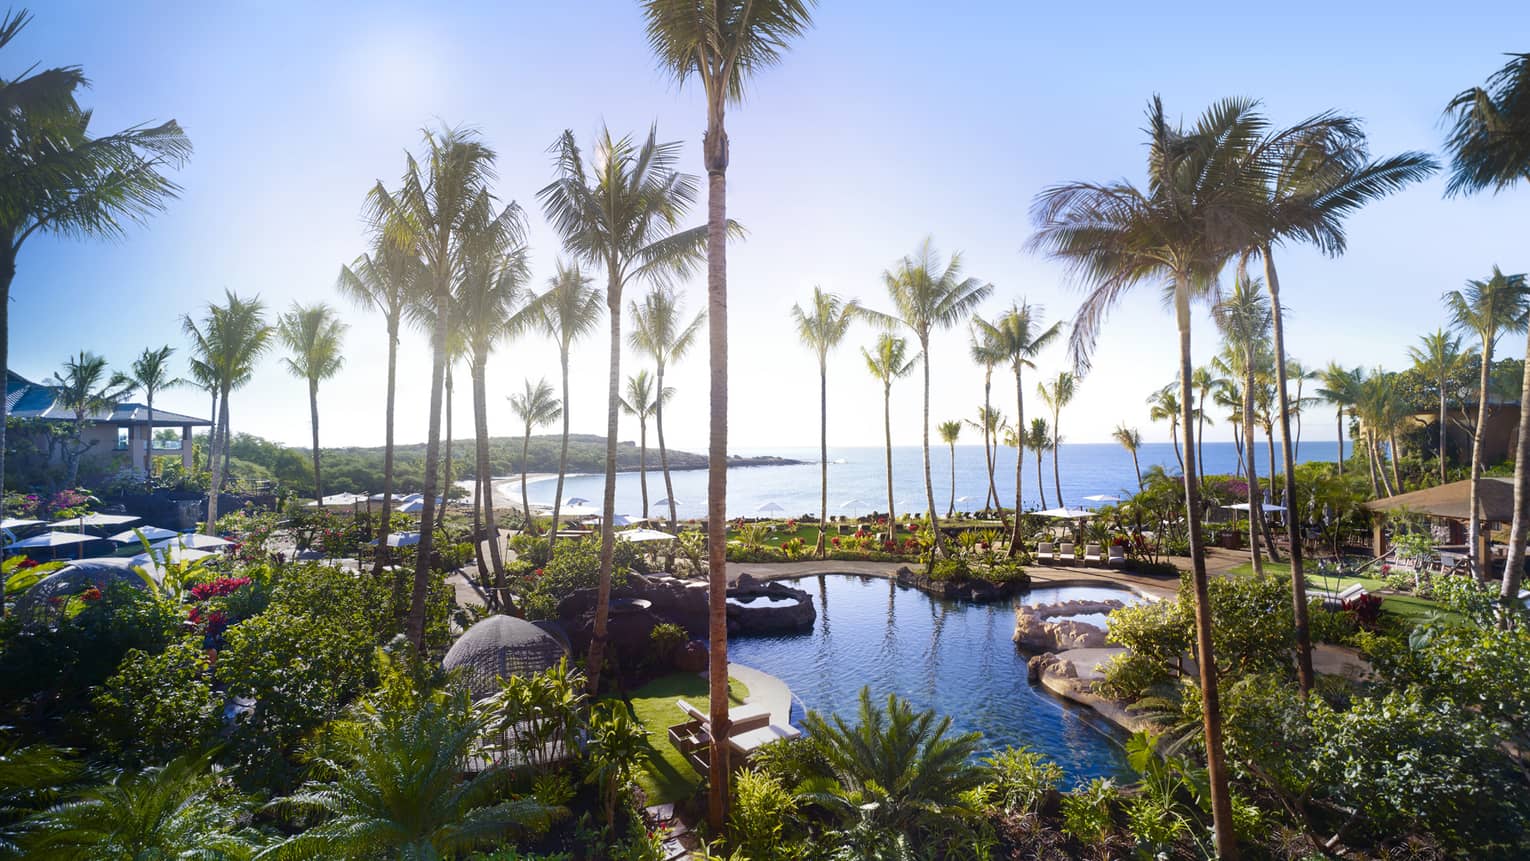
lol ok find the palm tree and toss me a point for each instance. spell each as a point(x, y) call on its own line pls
point(313, 333)
point(624, 218)
point(178, 810)
point(1437, 357)
point(896, 771)
point(1018, 337)
point(928, 295)
point(889, 362)
point(205, 378)
point(1163, 405)
point(1339, 387)
point(1056, 397)
point(386, 280)
point(821, 328)
point(85, 389)
point(60, 180)
point(1039, 440)
point(1130, 439)
point(536, 407)
point(949, 431)
point(568, 311)
point(1486, 308)
point(230, 340)
point(151, 374)
point(1315, 174)
point(493, 305)
point(1203, 382)
point(1202, 193)
point(723, 45)
point(1382, 409)
point(982, 352)
point(396, 788)
point(1490, 149)
point(990, 422)
point(660, 332)
point(1243, 316)
point(642, 402)
point(442, 210)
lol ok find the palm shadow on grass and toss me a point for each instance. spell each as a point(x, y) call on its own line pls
point(668, 777)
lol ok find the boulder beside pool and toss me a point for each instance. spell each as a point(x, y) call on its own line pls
point(1048, 628)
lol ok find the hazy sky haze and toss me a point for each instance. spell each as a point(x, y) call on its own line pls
point(887, 122)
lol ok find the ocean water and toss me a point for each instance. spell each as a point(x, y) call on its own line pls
point(858, 482)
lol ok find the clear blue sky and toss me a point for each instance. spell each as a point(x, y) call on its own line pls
point(889, 121)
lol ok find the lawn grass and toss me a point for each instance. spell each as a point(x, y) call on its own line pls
point(1408, 608)
point(668, 777)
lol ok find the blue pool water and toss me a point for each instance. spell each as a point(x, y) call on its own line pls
point(954, 657)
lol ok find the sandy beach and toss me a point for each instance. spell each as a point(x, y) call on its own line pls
point(507, 489)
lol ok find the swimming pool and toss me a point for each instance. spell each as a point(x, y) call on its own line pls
point(954, 657)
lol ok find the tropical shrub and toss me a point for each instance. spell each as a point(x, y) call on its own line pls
point(618, 746)
point(1155, 631)
point(536, 718)
point(664, 640)
point(951, 570)
point(158, 707)
point(1088, 814)
point(1129, 676)
point(761, 823)
point(1020, 779)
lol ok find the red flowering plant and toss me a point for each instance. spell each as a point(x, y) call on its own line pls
point(221, 602)
point(834, 540)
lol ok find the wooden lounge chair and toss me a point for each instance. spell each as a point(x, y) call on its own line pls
point(1066, 554)
point(1117, 558)
point(696, 733)
point(1045, 552)
point(1335, 600)
point(1092, 554)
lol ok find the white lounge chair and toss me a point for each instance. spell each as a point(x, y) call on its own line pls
point(1335, 600)
point(747, 743)
point(1092, 554)
point(1066, 554)
point(1045, 552)
point(1117, 558)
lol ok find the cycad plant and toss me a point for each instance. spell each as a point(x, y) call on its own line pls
point(314, 336)
point(929, 294)
point(61, 180)
point(896, 772)
point(1486, 308)
point(623, 216)
point(85, 388)
point(536, 406)
point(390, 785)
point(821, 326)
point(1203, 198)
point(661, 332)
point(889, 362)
point(151, 374)
point(1018, 337)
point(568, 311)
point(1489, 146)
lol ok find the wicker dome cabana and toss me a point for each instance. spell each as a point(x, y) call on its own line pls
point(43, 604)
point(499, 647)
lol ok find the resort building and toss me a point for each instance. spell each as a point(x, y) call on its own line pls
point(118, 432)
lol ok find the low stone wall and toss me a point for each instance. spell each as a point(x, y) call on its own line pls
point(976, 590)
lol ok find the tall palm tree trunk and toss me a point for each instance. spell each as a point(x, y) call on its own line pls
point(992, 499)
point(1056, 452)
point(552, 536)
point(608, 495)
point(951, 505)
point(1396, 453)
point(1370, 462)
point(214, 465)
point(929, 487)
point(228, 440)
point(823, 453)
point(385, 527)
point(1474, 525)
point(1304, 675)
point(1137, 467)
point(1442, 430)
point(1339, 422)
point(1211, 707)
point(313, 413)
point(1264, 520)
point(526, 497)
point(1174, 440)
point(1238, 447)
point(1041, 489)
point(715, 149)
point(658, 425)
point(1014, 535)
point(446, 465)
point(486, 480)
point(1381, 470)
point(148, 444)
point(1519, 527)
point(1255, 492)
point(414, 624)
point(892, 517)
point(643, 460)
point(483, 566)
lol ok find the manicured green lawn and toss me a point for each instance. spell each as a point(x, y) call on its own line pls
point(1409, 608)
point(668, 777)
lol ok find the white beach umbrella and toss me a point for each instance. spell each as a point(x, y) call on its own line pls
point(1066, 513)
point(1102, 497)
point(94, 520)
point(194, 541)
point(152, 533)
point(577, 500)
point(770, 506)
point(643, 535)
point(175, 554)
point(18, 523)
point(580, 510)
point(667, 502)
point(413, 506)
point(1244, 506)
point(52, 539)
